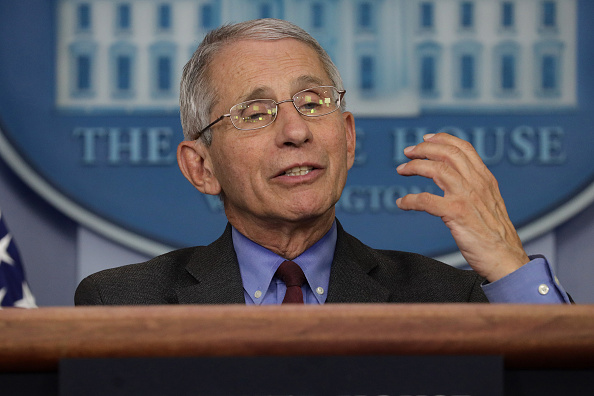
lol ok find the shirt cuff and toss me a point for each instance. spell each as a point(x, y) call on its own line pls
point(533, 283)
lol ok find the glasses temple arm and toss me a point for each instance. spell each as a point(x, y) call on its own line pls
point(211, 124)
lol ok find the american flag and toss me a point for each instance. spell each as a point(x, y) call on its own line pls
point(14, 291)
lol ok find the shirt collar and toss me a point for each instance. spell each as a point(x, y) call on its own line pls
point(258, 264)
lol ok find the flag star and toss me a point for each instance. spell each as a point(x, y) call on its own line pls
point(4, 243)
point(28, 300)
point(2, 294)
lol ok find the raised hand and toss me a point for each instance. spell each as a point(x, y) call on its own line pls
point(471, 206)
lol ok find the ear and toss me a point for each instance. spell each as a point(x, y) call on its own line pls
point(194, 161)
point(351, 136)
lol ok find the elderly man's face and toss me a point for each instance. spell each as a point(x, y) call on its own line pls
point(251, 167)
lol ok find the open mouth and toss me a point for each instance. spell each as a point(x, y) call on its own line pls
point(298, 171)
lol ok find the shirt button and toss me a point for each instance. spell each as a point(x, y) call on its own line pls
point(258, 294)
point(543, 289)
point(320, 290)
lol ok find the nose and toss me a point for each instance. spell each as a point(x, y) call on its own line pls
point(293, 127)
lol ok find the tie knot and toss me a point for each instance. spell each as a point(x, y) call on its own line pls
point(291, 273)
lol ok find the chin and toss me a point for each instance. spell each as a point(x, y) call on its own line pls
point(305, 213)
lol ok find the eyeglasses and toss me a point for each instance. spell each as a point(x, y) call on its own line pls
point(259, 113)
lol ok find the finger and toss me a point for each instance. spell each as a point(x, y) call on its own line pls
point(449, 156)
point(465, 147)
point(444, 176)
point(459, 192)
point(442, 139)
point(455, 152)
point(423, 202)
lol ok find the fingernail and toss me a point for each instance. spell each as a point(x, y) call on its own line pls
point(409, 149)
point(428, 136)
point(400, 167)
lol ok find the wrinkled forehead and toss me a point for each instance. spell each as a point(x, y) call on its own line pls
point(256, 69)
point(298, 84)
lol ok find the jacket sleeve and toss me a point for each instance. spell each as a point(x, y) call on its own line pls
point(87, 293)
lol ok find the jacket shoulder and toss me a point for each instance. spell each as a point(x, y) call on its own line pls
point(430, 280)
point(150, 282)
point(412, 277)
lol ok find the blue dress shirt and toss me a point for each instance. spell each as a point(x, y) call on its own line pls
point(533, 283)
point(258, 265)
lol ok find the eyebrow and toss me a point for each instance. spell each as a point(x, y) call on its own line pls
point(300, 83)
point(258, 93)
point(303, 81)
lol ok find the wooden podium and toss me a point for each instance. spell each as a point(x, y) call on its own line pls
point(527, 337)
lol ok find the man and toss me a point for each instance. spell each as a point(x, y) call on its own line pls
point(265, 126)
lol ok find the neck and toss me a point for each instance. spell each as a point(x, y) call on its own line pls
point(288, 239)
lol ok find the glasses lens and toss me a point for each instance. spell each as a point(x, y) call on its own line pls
point(253, 114)
point(317, 101)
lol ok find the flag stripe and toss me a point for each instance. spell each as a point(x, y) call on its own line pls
point(14, 291)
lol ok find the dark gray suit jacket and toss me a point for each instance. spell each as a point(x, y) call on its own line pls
point(210, 275)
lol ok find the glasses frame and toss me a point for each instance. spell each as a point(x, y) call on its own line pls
point(341, 93)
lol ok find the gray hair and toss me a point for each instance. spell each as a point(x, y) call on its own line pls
point(198, 97)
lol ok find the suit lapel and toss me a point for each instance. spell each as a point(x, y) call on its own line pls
point(350, 280)
point(214, 275)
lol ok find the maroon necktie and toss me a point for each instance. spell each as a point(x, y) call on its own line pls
point(293, 276)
